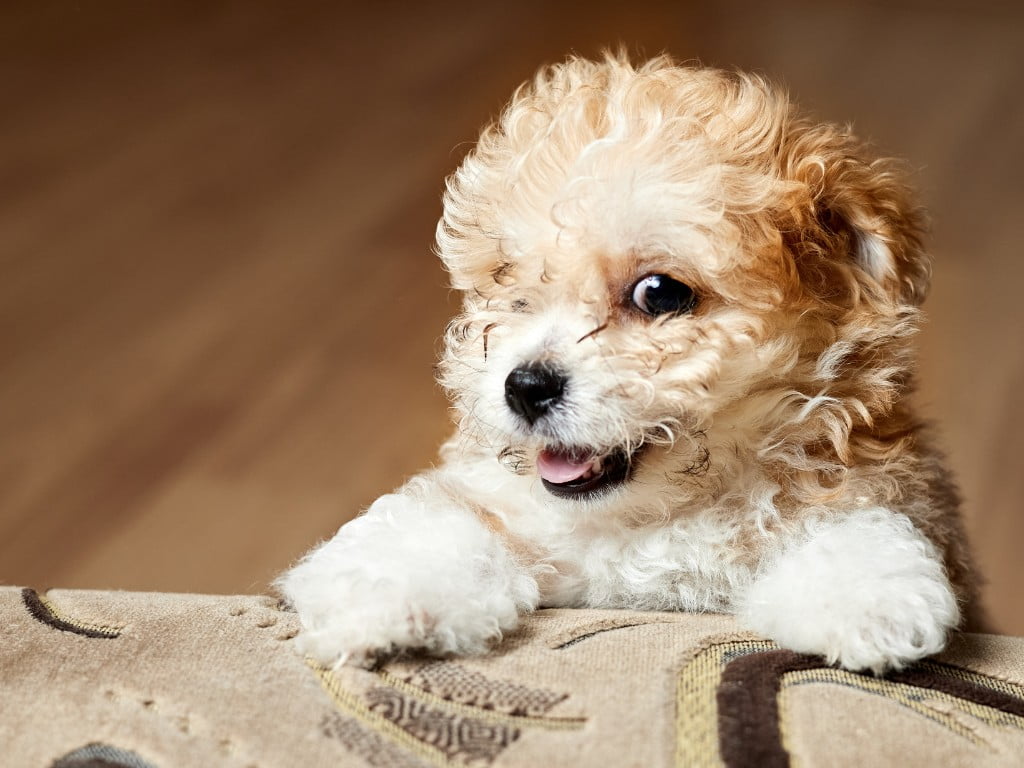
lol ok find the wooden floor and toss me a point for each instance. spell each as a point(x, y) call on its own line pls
point(218, 304)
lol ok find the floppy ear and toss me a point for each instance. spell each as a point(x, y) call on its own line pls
point(852, 220)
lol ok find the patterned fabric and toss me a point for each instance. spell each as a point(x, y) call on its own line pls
point(126, 680)
point(733, 701)
point(444, 713)
point(101, 756)
point(456, 736)
point(367, 744)
point(42, 610)
point(454, 682)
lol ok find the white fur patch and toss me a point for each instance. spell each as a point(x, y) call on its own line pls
point(874, 255)
point(865, 590)
point(405, 576)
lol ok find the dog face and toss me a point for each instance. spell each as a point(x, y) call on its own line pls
point(673, 283)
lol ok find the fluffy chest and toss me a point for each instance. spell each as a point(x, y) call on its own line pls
point(693, 565)
point(591, 558)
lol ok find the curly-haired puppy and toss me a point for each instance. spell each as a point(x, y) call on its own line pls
point(681, 375)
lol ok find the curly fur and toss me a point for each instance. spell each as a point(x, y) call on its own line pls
point(777, 457)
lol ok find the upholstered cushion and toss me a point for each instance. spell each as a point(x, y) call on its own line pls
point(135, 679)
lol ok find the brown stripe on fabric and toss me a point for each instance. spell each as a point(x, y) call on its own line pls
point(40, 611)
point(584, 631)
point(588, 635)
point(943, 678)
point(748, 711)
point(748, 708)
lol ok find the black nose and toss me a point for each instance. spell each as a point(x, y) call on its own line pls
point(531, 390)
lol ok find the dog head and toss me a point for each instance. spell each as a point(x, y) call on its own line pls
point(674, 283)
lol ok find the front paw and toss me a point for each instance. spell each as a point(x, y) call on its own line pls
point(361, 628)
point(867, 592)
point(403, 577)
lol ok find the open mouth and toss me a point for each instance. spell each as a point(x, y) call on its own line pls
point(578, 474)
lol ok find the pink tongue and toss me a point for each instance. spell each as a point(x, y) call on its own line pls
point(560, 468)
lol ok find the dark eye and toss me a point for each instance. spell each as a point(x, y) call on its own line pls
point(661, 295)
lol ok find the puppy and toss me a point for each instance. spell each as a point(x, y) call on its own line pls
point(681, 377)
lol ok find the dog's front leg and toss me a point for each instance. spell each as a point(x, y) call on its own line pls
point(865, 589)
point(418, 570)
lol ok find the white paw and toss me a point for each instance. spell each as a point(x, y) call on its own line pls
point(357, 624)
point(405, 577)
point(867, 591)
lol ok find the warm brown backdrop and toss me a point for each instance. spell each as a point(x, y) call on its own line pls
point(218, 305)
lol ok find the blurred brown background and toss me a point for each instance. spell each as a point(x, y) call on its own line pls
point(218, 305)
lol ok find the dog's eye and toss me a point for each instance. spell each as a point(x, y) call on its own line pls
point(661, 295)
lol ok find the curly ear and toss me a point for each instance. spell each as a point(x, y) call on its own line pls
point(853, 218)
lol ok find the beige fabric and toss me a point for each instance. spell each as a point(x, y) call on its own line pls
point(818, 723)
point(192, 680)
